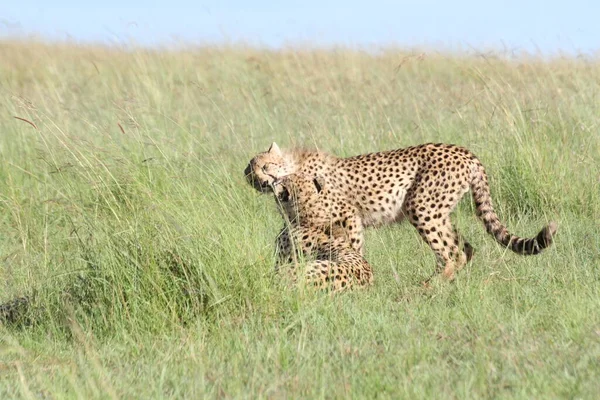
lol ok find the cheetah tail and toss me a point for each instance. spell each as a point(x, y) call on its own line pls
point(14, 310)
point(486, 213)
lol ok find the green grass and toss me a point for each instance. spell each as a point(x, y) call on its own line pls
point(125, 210)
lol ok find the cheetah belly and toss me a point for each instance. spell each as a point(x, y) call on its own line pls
point(384, 212)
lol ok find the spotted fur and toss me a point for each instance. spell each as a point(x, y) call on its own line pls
point(322, 229)
point(422, 183)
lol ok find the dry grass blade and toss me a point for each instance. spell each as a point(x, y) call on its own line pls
point(26, 120)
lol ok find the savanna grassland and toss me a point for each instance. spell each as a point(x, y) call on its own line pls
point(124, 215)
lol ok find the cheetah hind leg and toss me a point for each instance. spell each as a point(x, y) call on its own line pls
point(444, 240)
point(463, 257)
point(328, 275)
point(468, 250)
point(337, 276)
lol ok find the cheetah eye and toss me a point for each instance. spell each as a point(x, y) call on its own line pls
point(266, 167)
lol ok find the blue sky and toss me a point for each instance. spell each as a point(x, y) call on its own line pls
point(548, 26)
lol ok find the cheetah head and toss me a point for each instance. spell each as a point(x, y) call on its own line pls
point(266, 168)
point(290, 187)
point(298, 194)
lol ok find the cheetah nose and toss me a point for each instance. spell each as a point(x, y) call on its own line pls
point(247, 170)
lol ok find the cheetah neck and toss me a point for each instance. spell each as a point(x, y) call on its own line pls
point(300, 160)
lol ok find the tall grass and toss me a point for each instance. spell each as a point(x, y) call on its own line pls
point(125, 217)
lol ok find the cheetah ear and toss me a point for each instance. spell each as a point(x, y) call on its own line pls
point(274, 149)
point(284, 196)
point(319, 183)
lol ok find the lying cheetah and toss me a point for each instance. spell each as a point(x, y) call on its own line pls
point(423, 183)
point(319, 227)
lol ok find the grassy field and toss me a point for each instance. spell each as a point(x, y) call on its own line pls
point(124, 210)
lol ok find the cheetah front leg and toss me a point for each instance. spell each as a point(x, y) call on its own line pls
point(286, 255)
point(350, 230)
point(355, 230)
point(294, 244)
point(283, 248)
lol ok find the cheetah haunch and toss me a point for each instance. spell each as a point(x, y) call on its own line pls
point(423, 183)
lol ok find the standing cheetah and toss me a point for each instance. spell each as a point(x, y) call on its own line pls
point(319, 226)
point(423, 183)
